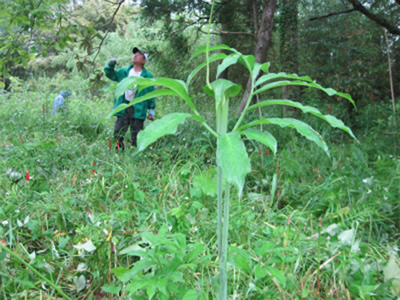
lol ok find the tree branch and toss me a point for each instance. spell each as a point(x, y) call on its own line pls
point(112, 20)
point(332, 14)
point(377, 19)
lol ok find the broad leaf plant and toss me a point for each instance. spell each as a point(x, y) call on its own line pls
point(233, 161)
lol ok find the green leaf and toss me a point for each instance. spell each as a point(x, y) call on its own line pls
point(207, 182)
point(111, 289)
point(227, 62)
point(120, 272)
point(328, 91)
point(109, 86)
point(278, 274)
point(247, 61)
point(191, 295)
point(178, 86)
point(265, 138)
point(176, 277)
point(303, 128)
point(215, 57)
point(392, 272)
point(333, 121)
point(3, 255)
point(222, 87)
point(233, 159)
point(256, 71)
point(139, 266)
point(203, 49)
point(241, 263)
point(272, 76)
point(159, 128)
point(80, 283)
point(260, 272)
point(156, 93)
point(127, 250)
point(88, 246)
point(265, 67)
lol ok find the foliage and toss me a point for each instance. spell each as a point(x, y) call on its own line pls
point(132, 197)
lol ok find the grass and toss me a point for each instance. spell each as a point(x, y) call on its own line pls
point(141, 226)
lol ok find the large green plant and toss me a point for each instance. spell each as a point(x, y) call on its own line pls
point(232, 158)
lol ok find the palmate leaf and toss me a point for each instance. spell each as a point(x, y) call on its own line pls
point(333, 121)
point(233, 159)
point(265, 138)
point(159, 128)
point(328, 91)
point(303, 128)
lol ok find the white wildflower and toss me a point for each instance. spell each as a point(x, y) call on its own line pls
point(4, 223)
point(368, 180)
point(369, 192)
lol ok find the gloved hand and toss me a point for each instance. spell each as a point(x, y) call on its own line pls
point(151, 114)
point(113, 61)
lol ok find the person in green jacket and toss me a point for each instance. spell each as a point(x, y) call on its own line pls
point(132, 117)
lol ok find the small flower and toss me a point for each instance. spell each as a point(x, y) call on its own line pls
point(184, 139)
point(369, 192)
point(195, 229)
point(5, 223)
point(126, 186)
point(368, 180)
point(17, 211)
point(186, 198)
point(7, 194)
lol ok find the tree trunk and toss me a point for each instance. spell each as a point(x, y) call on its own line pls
point(288, 44)
point(263, 40)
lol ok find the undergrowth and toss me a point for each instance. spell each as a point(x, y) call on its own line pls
point(88, 213)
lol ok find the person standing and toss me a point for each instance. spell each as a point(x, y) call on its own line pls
point(59, 101)
point(134, 116)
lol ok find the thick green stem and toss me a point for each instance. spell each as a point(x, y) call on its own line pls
point(224, 260)
point(219, 213)
point(34, 270)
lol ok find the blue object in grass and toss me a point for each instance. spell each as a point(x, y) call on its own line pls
point(59, 101)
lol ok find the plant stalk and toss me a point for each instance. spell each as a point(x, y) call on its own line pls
point(208, 45)
point(58, 289)
point(224, 261)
